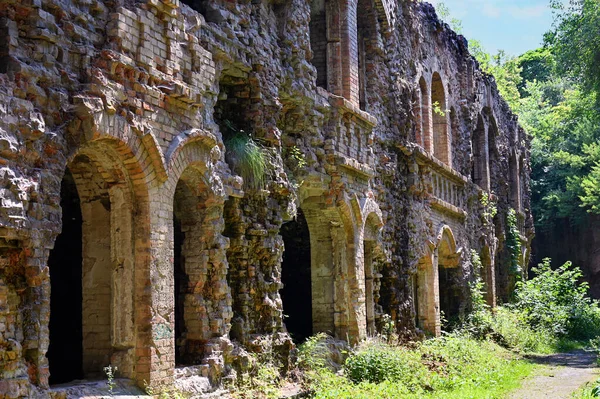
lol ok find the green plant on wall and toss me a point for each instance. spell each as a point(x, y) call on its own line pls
point(513, 243)
point(437, 109)
point(298, 158)
point(246, 157)
point(489, 206)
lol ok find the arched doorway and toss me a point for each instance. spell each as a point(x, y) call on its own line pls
point(192, 269)
point(450, 277)
point(296, 278)
point(94, 261)
point(65, 352)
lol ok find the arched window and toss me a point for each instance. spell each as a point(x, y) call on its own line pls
point(423, 136)
point(319, 40)
point(441, 136)
point(480, 167)
point(366, 20)
point(514, 183)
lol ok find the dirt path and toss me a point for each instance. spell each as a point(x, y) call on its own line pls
point(564, 373)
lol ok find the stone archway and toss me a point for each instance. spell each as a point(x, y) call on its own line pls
point(296, 278)
point(450, 277)
point(437, 284)
point(200, 306)
point(371, 232)
point(99, 265)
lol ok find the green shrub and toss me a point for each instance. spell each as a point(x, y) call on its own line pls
point(510, 330)
point(315, 353)
point(378, 362)
point(556, 301)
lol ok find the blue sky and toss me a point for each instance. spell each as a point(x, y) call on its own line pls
point(511, 25)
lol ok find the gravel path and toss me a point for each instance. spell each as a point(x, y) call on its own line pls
point(564, 374)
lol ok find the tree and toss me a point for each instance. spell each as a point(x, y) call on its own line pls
point(536, 65)
point(577, 41)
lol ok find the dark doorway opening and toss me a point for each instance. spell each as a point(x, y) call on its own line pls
point(65, 352)
point(450, 294)
point(296, 277)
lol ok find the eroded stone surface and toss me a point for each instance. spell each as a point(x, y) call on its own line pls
point(383, 131)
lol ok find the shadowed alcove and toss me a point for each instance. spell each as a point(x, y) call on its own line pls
point(296, 277)
point(65, 353)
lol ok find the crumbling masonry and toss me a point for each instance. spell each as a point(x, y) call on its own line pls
point(128, 238)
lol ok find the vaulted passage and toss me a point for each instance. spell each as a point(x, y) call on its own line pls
point(65, 353)
point(191, 269)
point(450, 295)
point(296, 277)
point(92, 271)
point(450, 277)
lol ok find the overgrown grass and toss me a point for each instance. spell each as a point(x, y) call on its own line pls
point(247, 159)
point(588, 391)
point(455, 366)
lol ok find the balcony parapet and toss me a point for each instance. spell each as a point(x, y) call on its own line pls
point(350, 144)
point(445, 186)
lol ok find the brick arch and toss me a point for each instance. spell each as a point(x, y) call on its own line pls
point(446, 247)
point(371, 218)
point(514, 180)
point(112, 180)
point(441, 138)
point(100, 125)
point(200, 267)
point(480, 170)
point(200, 151)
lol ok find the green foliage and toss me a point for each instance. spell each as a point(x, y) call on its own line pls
point(379, 362)
point(536, 66)
point(263, 382)
point(565, 150)
point(589, 391)
point(506, 70)
point(556, 301)
point(577, 41)
point(455, 366)
point(246, 157)
point(444, 13)
point(513, 243)
point(490, 209)
point(314, 353)
point(110, 372)
point(297, 156)
point(437, 109)
point(509, 329)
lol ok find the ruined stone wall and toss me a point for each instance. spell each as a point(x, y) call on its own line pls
point(137, 101)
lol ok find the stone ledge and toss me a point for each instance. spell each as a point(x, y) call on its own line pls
point(448, 208)
point(353, 165)
point(347, 107)
point(440, 167)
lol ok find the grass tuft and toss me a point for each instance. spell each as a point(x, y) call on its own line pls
point(247, 158)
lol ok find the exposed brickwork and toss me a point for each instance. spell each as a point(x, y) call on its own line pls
point(181, 261)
